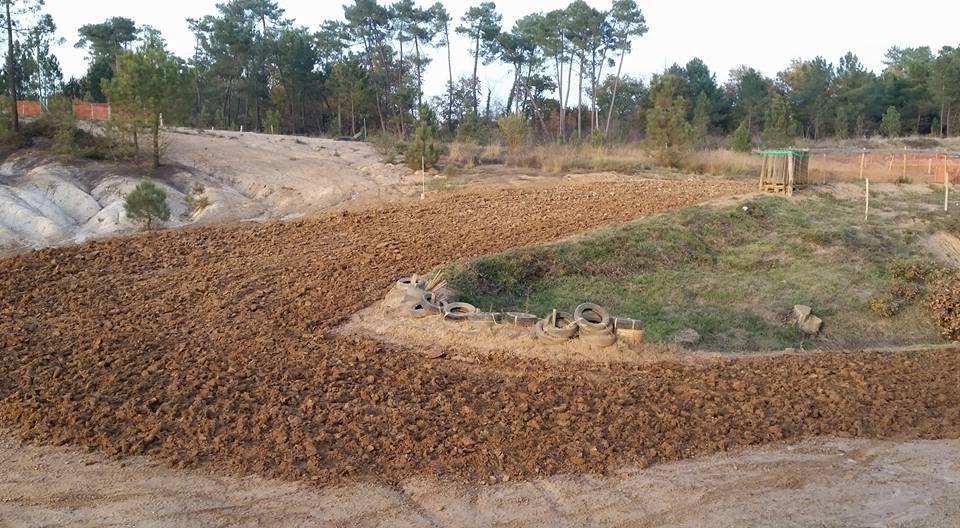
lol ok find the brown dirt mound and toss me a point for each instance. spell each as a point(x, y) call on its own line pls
point(211, 346)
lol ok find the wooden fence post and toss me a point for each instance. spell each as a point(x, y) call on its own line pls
point(904, 163)
point(866, 209)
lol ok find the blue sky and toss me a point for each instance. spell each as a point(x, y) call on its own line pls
point(765, 35)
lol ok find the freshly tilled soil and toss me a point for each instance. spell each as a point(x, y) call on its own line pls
point(212, 347)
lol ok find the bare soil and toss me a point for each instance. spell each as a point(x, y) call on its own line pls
point(212, 347)
point(821, 482)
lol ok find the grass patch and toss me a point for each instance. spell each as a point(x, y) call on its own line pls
point(731, 273)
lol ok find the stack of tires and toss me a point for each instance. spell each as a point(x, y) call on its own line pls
point(422, 301)
point(591, 324)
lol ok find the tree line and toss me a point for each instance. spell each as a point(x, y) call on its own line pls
point(253, 68)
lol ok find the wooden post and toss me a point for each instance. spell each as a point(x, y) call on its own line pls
point(423, 177)
point(863, 161)
point(946, 192)
point(929, 166)
point(904, 163)
point(790, 175)
point(866, 209)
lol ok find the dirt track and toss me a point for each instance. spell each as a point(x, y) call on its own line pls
point(211, 346)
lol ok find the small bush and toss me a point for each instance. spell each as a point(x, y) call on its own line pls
point(197, 198)
point(944, 304)
point(147, 204)
point(513, 132)
point(884, 305)
point(424, 151)
point(741, 138)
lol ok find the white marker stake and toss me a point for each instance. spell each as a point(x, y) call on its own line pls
point(946, 192)
point(866, 211)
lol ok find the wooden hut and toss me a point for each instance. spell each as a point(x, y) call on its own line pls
point(784, 170)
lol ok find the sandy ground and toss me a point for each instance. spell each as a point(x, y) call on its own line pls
point(832, 482)
point(47, 201)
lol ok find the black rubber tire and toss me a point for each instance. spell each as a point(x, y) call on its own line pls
point(458, 311)
point(592, 318)
point(600, 339)
point(540, 330)
point(431, 300)
point(411, 292)
point(485, 317)
point(420, 310)
point(519, 319)
point(565, 326)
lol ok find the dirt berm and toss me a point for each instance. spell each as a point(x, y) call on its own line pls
point(211, 347)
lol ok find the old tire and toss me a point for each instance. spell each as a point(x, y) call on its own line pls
point(599, 339)
point(540, 330)
point(519, 319)
point(592, 318)
point(412, 291)
point(458, 311)
point(420, 310)
point(563, 327)
point(487, 318)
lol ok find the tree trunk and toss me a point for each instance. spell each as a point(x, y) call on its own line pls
point(559, 68)
point(400, 86)
point(513, 87)
point(136, 146)
point(416, 44)
point(593, 91)
point(533, 103)
point(580, 102)
point(613, 97)
point(476, 93)
point(446, 35)
point(156, 140)
point(12, 73)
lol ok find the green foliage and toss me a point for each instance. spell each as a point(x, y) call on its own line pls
point(667, 127)
point(197, 199)
point(741, 138)
point(60, 117)
point(148, 83)
point(890, 125)
point(780, 126)
point(146, 204)
point(841, 124)
point(701, 121)
point(424, 149)
point(513, 131)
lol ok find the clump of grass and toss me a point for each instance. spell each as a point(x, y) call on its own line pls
point(884, 305)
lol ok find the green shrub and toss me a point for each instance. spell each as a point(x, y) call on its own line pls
point(197, 199)
point(146, 204)
point(741, 138)
point(424, 150)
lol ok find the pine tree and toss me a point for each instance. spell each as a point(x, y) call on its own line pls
point(890, 125)
point(841, 124)
point(667, 127)
point(424, 150)
point(741, 138)
point(701, 121)
point(146, 204)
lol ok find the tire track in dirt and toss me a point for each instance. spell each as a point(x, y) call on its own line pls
point(210, 347)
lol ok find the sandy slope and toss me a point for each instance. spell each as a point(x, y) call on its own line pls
point(48, 201)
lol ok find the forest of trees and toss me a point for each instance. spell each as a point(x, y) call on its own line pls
point(254, 68)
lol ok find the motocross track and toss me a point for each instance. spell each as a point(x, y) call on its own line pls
point(211, 347)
